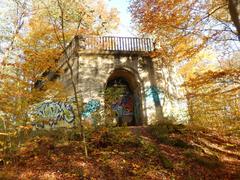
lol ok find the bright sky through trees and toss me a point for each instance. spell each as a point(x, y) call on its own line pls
point(125, 19)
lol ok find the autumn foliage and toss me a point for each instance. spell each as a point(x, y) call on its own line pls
point(196, 60)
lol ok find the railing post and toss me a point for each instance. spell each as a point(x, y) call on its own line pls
point(81, 42)
point(110, 43)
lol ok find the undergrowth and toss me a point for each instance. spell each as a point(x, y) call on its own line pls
point(118, 152)
point(208, 161)
point(162, 132)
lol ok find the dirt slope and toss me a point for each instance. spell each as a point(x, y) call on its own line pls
point(160, 152)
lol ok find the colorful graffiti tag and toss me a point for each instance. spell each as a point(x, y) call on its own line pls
point(92, 106)
point(124, 106)
point(54, 112)
point(152, 92)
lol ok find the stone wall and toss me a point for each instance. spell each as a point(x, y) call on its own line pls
point(93, 70)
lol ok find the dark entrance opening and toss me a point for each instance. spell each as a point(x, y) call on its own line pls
point(127, 103)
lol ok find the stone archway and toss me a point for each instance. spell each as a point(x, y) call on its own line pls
point(128, 106)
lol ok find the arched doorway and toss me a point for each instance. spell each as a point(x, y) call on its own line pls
point(127, 104)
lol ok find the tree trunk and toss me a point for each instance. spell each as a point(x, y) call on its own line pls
point(233, 11)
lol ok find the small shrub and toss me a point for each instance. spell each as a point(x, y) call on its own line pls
point(180, 143)
point(74, 135)
point(167, 164)
point(162, 133)
point(103, 137)
point(206, 161)
point(152, 150)
point(210, 162)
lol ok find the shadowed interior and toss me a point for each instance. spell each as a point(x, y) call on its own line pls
point(127, 107)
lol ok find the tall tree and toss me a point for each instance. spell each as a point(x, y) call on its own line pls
point(13, 17)
point(183, 27)
point(63, 20)
point(213, 96)
point(51, 26)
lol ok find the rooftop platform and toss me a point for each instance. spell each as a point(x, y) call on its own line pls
point(109, 45)
point(112, 43)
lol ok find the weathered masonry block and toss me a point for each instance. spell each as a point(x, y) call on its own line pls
point(102, 62)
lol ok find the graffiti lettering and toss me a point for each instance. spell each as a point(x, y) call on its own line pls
point(54, 112)
point(92, 106)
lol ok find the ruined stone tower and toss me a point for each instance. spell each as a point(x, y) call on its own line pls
point(102, 62)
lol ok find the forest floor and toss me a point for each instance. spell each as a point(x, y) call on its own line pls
point(158, 152)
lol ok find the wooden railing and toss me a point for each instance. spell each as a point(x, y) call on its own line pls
point(110, 43)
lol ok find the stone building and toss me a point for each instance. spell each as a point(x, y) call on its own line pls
point(102, 62)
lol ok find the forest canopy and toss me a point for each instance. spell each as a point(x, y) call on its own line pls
point(202, 39)
point(163, 105)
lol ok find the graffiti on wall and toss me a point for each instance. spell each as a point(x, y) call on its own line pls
point(54, 112)
point(152, 92)
point(92, 106)
point(124, 106)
